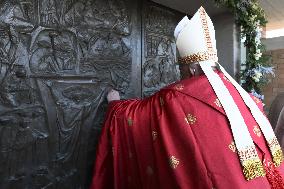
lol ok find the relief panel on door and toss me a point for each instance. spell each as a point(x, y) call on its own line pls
point(159, 49)
point(57, 61)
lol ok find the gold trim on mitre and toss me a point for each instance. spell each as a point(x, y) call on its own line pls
point(197, 57)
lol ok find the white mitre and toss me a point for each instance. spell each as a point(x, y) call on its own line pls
point(195, 40)
point(180, 26)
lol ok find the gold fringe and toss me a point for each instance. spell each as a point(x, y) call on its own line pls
point(278, 157)
point(253, 168)
point(276, 151)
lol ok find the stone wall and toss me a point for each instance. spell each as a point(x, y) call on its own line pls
point(276, 85)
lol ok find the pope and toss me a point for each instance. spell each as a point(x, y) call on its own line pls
point(202, 132)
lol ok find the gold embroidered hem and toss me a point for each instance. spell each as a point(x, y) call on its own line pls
point(253, 169)
point(252, 166)
point(276, 151)
point(278, 157)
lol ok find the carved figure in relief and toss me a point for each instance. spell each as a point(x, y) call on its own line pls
point(56, 59)
point(54, 52)
point(160, 69)
point(74, 104)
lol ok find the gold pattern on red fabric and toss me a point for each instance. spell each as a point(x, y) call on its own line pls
point(257, 131)
point(130, 122)
point(190, 119)
point(174, 162)
point(218, 103)
point(232, 147)
point(179, 87)
point(154, 135)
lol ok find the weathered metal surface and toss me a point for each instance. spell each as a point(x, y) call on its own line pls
point(159, 52)
point(57, 59)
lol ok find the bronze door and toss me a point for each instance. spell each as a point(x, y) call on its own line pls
point(57, 60)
